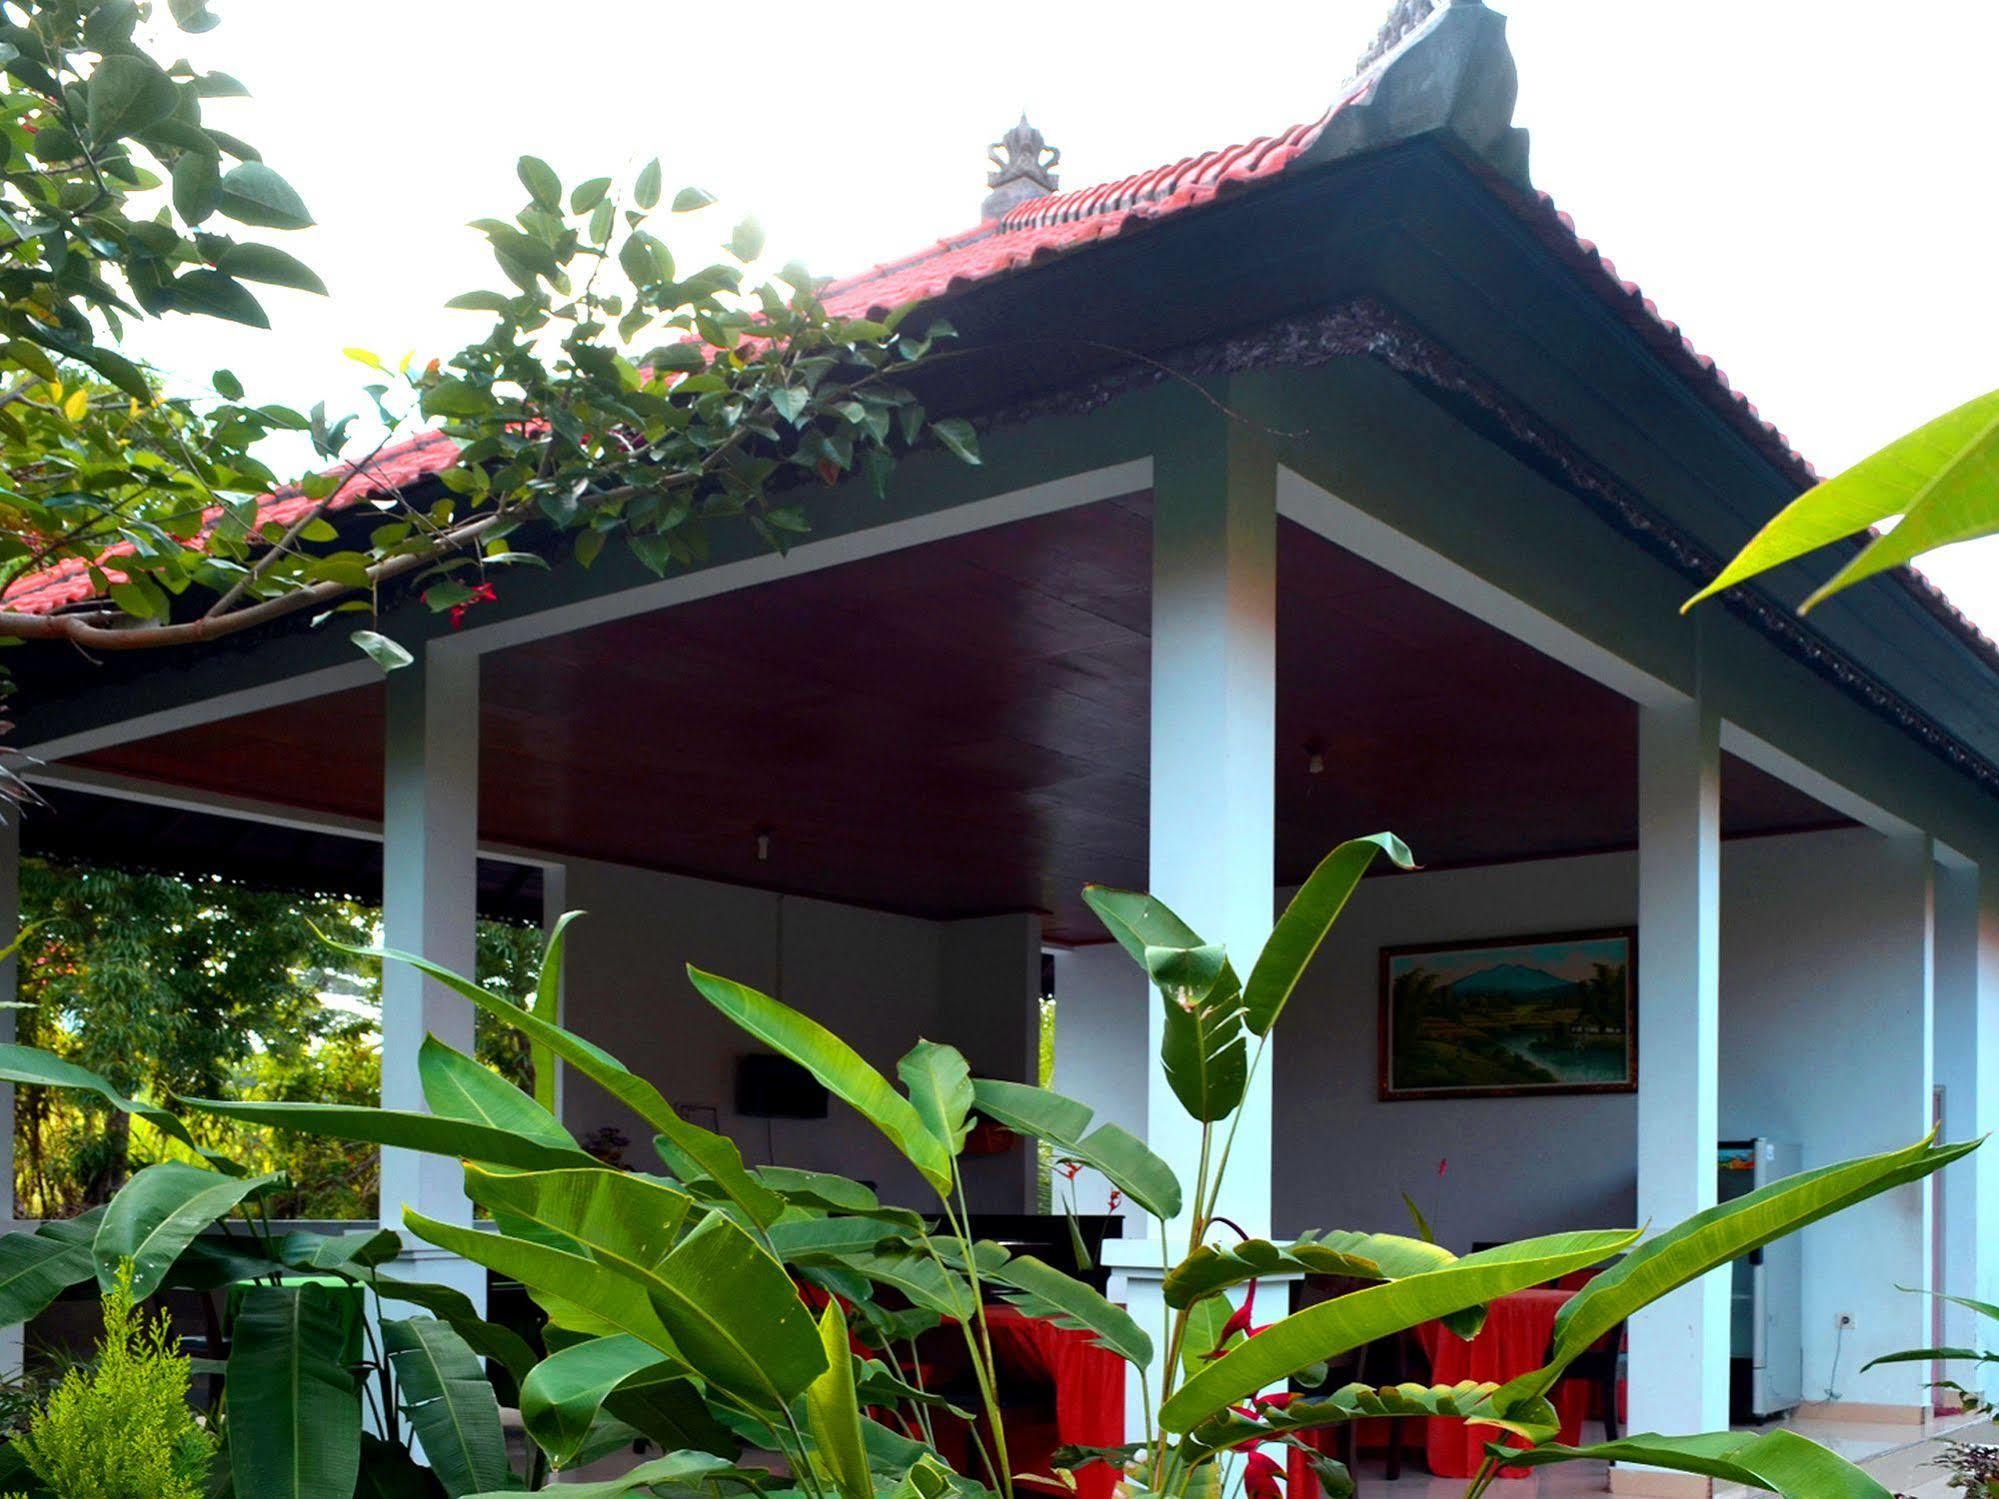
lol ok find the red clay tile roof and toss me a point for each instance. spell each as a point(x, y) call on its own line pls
point(69, 581)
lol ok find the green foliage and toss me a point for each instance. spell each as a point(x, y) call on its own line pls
point(1941, 481)
point(694, 1309)
point(122, 1428)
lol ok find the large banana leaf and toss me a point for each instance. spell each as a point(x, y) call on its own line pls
point(1942, 479)
point(450, 1405)
point(802, 1240)
point(365, 1248)
point(1201, 1045)
point(677, 1472)
point(157, 1214)
point(672, 1411)
point(841, 1070)
point(1469, 1401)
point(38, 1068)
point(295, 1412)
point(926, 1283)
point(1710, 1239)
point(1332, 1327)
point(458, 1087)
point(570, 1283)
point(833, 1411)
point(1121, 1156)
point(940, 1089)
point(547, 1008)
point(502, 1345)
point(716, 1154)
point(37, 1267)
point(1138, 920)
point(1363, 1256)
point(729, 1307)
point(1040, 1290)
point(431, 1133)
point(1778, 1462)
point(1305, 922)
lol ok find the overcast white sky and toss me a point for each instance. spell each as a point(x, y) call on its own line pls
point(1806, 186)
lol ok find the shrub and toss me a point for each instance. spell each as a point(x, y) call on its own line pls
point(121, 1427)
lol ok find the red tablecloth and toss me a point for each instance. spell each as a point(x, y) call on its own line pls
point(1088, 1393)
point(1517, 1334)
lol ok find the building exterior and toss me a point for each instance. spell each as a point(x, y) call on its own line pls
point(1330, 483)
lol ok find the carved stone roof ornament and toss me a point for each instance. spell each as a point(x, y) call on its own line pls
point(1022, 174)
point(1404, 16)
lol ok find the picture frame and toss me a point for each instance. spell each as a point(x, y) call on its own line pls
point(1510, 1017)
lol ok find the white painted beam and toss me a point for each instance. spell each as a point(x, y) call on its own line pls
point(1794, 772)
point(1679, 1345)
point(192, 714)
point(1353, 529)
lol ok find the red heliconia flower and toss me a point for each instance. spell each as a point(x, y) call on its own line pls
point(1115, 1198)
point(1261, 1475)
point(1238, 1322)
point(1072, 1169)
point(482, 594)
point(1442, 1166)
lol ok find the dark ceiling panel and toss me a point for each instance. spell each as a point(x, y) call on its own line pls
point(962, 728)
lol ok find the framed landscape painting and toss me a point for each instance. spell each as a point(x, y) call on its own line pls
point(1510, 1016)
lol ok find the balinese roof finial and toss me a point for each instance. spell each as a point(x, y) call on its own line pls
point(1403, 17)
point(1022, 173)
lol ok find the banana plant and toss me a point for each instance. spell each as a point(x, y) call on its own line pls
point(713, 1306)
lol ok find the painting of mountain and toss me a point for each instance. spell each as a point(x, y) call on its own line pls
point(1512, 1016)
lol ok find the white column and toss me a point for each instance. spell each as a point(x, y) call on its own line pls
point(13, 1340)
point(1214, 692)
point(430, 818)
point(1679, 1345)
point(1984, 1164)
point(1961, 1059)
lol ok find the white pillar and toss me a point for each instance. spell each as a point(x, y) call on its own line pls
point(1962, 1055)
point(1214, 693)
point(430, 818)
point(13, 1340)
point(1679, 1345)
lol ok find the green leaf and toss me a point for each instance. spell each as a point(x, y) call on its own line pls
point(482, 301)
point(562, 1395)
point(1942, 479)
point(645, 189)
point(488, 1339)
point(457, 1087)
point(730, 1308)
point(1040, 1290)
point(1333, 1327)
point(450, 1406)
point(192, 15)
point(127, 94)
point(1360, 1256)
point(688, 199)
point(547, 1006)
point(1064, 1124)
point(715, 1154)
point(1778, 1462)
point(839, 1068)
point(217, 295)
point(270, 265)
point(295, 1411)
point(940, 1089)
point(383, 651)
point(588, 194)
point(1470, 1401)
point(833, 1411)
point(157, 1214)
point(925, 1282)
point(227, 385)
point(254, 194)
point(1201, 1044)
point(389, 1472)
point(676, 1473)
point(1723, 1233)
point(1303, 926)
point(747, 242)
point(197, 185)
point(956, 434)
point(1138, 920)
point(36, 1267)
point(539, 178)
point(404, 1128)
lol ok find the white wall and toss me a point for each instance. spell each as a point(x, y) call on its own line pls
point(1102, 1054)
point(1825, 1042)
point(1516, 1166)
point(880, 981)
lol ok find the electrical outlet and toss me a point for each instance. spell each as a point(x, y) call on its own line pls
point(1846, 1320)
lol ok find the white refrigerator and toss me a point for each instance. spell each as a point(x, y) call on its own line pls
point(1766, 1305)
